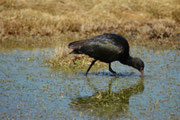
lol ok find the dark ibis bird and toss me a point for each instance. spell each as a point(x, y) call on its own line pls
point(107, 48)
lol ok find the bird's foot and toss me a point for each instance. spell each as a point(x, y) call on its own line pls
point(115, 74)
point(86, 74)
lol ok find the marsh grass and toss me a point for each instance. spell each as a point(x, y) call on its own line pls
point(41, 23)
point(27, 18)
point(71, 63)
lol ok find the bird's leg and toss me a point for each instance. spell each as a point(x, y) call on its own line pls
point(110, 69)
point(91, 66)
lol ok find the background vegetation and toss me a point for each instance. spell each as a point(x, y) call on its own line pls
point(31, 23)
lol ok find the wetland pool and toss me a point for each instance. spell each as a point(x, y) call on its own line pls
point(31, 90)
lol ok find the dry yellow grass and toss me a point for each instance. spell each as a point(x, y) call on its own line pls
point(53, 17)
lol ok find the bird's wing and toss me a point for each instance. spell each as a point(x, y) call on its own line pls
point(106, 46)
point(102, 49)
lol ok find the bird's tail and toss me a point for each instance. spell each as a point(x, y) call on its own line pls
point(75, 45)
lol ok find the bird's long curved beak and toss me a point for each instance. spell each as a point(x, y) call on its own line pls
point(142, 73)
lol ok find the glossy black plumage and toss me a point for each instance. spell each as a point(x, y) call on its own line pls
point(107, 48)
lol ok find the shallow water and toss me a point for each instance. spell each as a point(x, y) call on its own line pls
point(31, 90)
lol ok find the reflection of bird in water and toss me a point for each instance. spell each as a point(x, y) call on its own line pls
point(107, 48)
point(107, 104)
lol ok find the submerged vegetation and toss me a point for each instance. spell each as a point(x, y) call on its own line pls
point(32, 23)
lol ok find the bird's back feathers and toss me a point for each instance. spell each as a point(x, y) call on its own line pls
point(107, 47)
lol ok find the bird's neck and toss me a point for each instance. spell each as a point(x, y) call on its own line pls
point(128, 61)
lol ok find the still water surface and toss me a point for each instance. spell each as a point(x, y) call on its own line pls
point(31, 90)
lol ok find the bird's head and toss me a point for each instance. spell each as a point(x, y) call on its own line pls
point(139, 65)
point(136, 63)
